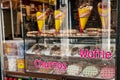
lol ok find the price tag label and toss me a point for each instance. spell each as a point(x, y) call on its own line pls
point(20, 64)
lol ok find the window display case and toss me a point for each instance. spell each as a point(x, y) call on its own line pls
point(66, 40)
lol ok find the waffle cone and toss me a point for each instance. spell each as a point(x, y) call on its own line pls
point(84, 14)
point(59, 17)
point(40, 20)
point(103, 12)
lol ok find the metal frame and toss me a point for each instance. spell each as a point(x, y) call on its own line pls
point(1, 45)
point(118, 43)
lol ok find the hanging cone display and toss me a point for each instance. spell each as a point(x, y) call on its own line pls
point(59, 17)
point(40, 20)
point(84, 12)
point(103, 12)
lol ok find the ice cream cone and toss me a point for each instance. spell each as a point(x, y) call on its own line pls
point(84, 12)
point(59, 16)
point(40, 20)
point(103, 12)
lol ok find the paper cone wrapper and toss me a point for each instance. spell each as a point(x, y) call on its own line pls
point(84, 14)
point(83, 22)
point(59, 17)
point(103, 12)
point(40, 20)
point(104, 21)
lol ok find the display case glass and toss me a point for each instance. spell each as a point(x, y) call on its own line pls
point(81, 42)
point(65, 38)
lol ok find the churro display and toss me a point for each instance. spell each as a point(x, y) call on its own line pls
point(44, 70)
point(59, 71)
point(84, 12)
point(38, 49)
point(55, 50)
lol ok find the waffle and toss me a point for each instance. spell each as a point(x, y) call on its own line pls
point(90, 71)
point(107, 72)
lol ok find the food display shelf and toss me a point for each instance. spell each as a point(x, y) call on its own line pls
point(30, 74)
point(79, 39)
point(113, 36)
point(41, 75)
point(64, 58)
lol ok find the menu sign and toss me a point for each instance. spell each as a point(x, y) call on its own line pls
point(95, 54)
point(50, 64)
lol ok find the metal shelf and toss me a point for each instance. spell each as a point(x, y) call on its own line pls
point(71, 37)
